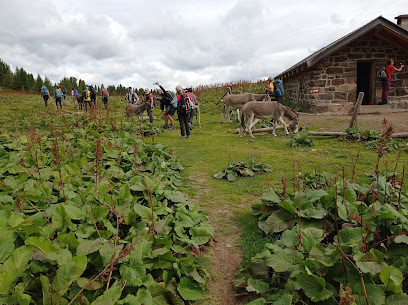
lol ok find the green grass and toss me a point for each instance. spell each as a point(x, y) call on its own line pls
point(213, 149)
point(252, 239)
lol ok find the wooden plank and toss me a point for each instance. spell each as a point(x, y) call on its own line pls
point(266, 129)
point(326, 133)
point(401, 135)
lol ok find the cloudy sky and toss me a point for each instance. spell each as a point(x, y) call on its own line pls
point(138, 42)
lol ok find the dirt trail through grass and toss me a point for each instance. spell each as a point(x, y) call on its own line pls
point(226, 254)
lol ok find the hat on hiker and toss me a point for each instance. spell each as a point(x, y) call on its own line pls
point(270, 78)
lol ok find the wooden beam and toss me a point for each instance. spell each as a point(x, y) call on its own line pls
point(266, 129)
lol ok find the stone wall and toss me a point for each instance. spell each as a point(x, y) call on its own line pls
point(334, 79)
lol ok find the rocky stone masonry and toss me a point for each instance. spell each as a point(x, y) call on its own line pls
point(335, 77)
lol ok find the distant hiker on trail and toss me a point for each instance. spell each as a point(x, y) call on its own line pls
point(184, 107)
point(86, 98)
point(105, 97)
point(58, 97)
point(93, 95)
point(194, 100)
point(74, 94)
point(168, 105)
point(275, 88)
point(64, 94)
point(45, 95)
point(150, 101)
point(132, 97)
point(386, 83)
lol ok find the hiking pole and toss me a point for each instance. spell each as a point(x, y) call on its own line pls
point(196, 133)
point(228, 91)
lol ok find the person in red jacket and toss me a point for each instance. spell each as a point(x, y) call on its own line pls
point(386, 83)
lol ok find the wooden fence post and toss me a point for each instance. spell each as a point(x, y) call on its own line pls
point(353, 122)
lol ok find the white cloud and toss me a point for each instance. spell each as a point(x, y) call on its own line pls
point(194, 42)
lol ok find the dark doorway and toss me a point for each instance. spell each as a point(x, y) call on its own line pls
point(364, 81)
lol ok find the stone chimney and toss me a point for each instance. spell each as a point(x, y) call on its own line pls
point(402, 21)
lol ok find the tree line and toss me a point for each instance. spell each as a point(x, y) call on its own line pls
point(23, 81)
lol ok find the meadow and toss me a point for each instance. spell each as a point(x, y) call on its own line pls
point(229, 210)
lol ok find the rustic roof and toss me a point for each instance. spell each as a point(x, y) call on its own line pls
point(392, 33)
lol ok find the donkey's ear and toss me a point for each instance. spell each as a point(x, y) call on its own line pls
point(297, 114)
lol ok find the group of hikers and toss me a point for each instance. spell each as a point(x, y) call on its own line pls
point(182, 101)
point(87, 98)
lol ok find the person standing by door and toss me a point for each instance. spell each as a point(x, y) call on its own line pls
point(386, 83)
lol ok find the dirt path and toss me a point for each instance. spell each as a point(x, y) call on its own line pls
point(226, 254)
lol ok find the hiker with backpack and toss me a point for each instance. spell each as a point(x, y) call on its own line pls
point(74, 94)
point(86, 98)
point(168, 105)
point(105, 97)
point(193, 98)
point(149, 101)
point(58, 96)
point(275, 88)
point(93, 95)
point(184, 107)
point(132, 97)
point(64, 94)
point(45, 95)
point(386, 81)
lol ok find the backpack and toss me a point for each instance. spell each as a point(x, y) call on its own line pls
point(382, 75)
point(185, 104)
point(279, 91)
point(93, 92)
point(85, 94)
point(104, 94)
point(75, 92)
point(58, 93)
point(174, 101)
point(44, 91)
point(63, 90)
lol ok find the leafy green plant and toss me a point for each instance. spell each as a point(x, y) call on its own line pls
point(300, 141)
point(241, 169)
point(348, 234)
point(91, 214)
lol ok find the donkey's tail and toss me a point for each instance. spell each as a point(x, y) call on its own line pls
point(242, 119)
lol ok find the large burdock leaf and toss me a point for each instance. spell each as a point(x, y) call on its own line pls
point(375, 294)
point(42, 244)
point(199, 236)
point(397, 299)
point(392, 278)
point(311, 237)
point(14, 267)
point(188, 290)
point(143, 297)
point(110, 296)
point(5, 251)
point(133, 275)
point(74, 212)
point(89, 246)
point(256, 285)
point(66, 274)
point(277, 222)
point(271, 196)
point(370, 262)
point(285, 260)
point(144, 212)
point(313, 286)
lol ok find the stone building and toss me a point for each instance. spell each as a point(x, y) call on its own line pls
point(330, 79)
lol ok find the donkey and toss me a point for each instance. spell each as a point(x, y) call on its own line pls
point(271, 110)
point(135, 110)
point(239, 100)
